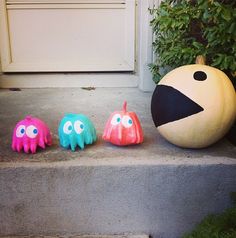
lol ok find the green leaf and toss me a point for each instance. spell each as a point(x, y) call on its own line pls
point(232, 28)
point(226, 14)
point(206, 15)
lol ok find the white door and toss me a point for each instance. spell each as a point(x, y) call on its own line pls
point(67, 35)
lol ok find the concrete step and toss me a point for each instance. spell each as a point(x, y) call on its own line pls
point(162, 198)
point(80, 236)
point(155, 188)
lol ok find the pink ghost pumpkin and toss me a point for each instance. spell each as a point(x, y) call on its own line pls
point(30, 133)
point(123, 128)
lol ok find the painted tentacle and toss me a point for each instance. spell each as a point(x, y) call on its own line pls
point(48, 139)
point(41, 142)
point(19, 145)
point(73, 142)
point(44, 135)
point(26, 146)
point(33, 147)
point(13, 145)
point(88, 137)
point(80, 142)
point(64, 142)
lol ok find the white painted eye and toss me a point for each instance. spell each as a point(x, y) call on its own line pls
point(20, 131)
point(116, 119)
point(79, 127)
point(127, 121)
point(67, 128)
point(31, 131)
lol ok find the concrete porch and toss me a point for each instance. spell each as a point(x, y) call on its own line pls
point(154, 188)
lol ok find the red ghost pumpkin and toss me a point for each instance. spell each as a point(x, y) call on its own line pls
point(123, 128)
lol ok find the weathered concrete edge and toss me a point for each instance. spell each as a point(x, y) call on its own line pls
point(205, 160)
point(163, 200)
point(80, 236)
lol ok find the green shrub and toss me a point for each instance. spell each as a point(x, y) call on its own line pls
point(217, 226)
point(184, 29)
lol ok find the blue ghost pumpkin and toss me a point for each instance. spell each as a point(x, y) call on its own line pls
point(76, 130)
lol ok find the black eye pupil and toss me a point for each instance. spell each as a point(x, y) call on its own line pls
point(200, 76)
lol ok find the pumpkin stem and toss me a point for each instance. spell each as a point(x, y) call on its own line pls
point(28, 117)
point(125, 106)
point(200, 59)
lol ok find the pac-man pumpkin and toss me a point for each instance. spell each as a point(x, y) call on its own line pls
point(123, 128)
point(194, 106)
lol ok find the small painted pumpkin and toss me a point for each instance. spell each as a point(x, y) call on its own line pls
point(76, 130)
point(194, 106)
point(29, 134)
point(123, 128)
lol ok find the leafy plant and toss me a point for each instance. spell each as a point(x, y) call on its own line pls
point(217, 226)
point(184, 29)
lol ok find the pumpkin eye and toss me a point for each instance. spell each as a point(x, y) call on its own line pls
point(116, 119)
point(200, 76)
point(79, 127)
point(127, 121)
point(31, 131)
point(20, 131)
point(67, 128)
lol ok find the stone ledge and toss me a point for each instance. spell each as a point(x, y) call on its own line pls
point(163, 200)
point(122, 161)
point(79, 236)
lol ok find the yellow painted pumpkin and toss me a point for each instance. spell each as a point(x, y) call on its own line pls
point(194, 106)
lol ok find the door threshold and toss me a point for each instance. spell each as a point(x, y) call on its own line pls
point(68, 80)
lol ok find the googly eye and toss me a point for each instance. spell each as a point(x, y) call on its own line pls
point(67, 128)
point(20, 131)
point(116, 119)
point(79, 127)
point(127, 121)
point(31, 131)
